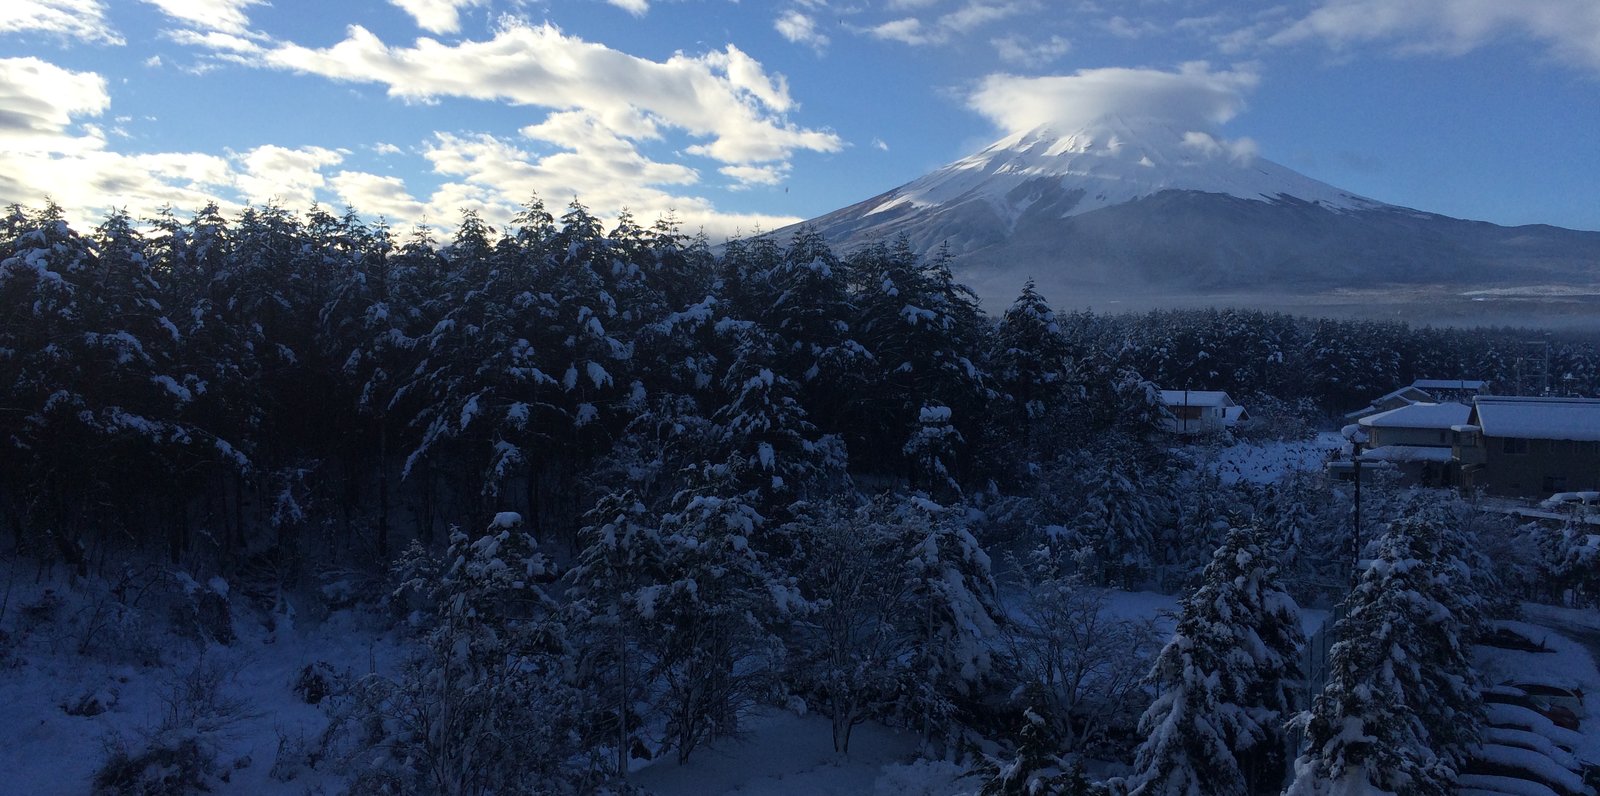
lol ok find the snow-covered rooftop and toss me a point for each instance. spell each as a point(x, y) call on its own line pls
point(1440, 416)
point(1196, 398)
point(1538, 418)
point(1409, 394)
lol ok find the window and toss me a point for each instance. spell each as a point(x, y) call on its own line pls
point(1515, 446)
point(1555, 483)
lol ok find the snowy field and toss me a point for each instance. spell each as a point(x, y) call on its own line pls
point(1267, 462)
point(784, 753)
point(128, 681)
point(60, 711)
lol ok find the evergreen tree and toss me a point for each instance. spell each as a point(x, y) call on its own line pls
point(1401, 707)
point(486, 706)
point(949, 616)
point(612, 590)
point(1223, 682)
point(708, 620)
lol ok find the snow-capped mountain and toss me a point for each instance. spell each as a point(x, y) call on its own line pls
point(1109, 163)
point(1128, 209)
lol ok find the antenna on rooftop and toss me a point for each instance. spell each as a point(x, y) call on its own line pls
point(1533, 368)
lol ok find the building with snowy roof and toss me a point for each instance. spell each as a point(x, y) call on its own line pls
point(1417, 438)
point(1530, 446)
point(1405, 396)
point(1201, 411)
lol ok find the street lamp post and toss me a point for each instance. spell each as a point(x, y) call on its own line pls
point(1357, 439)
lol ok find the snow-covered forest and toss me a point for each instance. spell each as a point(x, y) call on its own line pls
point(614, 492)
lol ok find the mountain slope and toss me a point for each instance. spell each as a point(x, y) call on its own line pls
point(1130, 209)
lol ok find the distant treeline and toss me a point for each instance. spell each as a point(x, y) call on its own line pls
point(229, 388)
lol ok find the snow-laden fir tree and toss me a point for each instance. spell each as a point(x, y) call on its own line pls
point(486, 706)
point(1401, 708)
point(923, 331)
point(1116, 511)
point(1029, 363)
point(1223, 682)
point(611, 586)
point(1035, 769)
point(1200, 517)
point(950, 615)
point(708, 618)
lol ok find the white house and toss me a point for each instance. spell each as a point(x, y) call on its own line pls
point(1201, 411)
point(1418, 438)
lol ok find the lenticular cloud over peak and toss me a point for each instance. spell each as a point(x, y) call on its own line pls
point(1192, 98)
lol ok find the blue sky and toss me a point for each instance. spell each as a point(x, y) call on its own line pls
point(740, 116)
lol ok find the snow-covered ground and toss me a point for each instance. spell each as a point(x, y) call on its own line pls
point(132, 679)
point(1267, 462)
point(783, 753)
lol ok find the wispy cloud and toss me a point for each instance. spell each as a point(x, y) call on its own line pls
point(227, 16)
point(1569, 29)
point(637, 8)
point(800, 28)
point(969, 16)
point(48, 148)
point(437, 16)
point(83, 20)
point(1033, 54)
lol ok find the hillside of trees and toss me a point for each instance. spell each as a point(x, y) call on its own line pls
point(605, 469)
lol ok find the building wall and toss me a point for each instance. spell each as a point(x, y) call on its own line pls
point(1196, 419)
point(1431, 437)
point(1547, 466)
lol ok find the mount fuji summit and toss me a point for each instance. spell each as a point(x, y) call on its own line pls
point(1141, 213)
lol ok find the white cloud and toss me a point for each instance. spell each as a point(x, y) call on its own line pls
point(637, 8)
point(1020, 51)
point(377, 195)
point(756, 175)
point(723, 97)
point(1192, 98)
point(970, 16)
point(84, 20)
point(38, 101)
point(495, 175)
point(41, 156)
point(384, 148)
point(800, 29)
point(153, 62)
point(1242, 150)
point(48, 149)
point(288, 177)
point(908, 30)
point(222, 15)
point(1569, 28)
point(437, 16)
point(879, 144)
